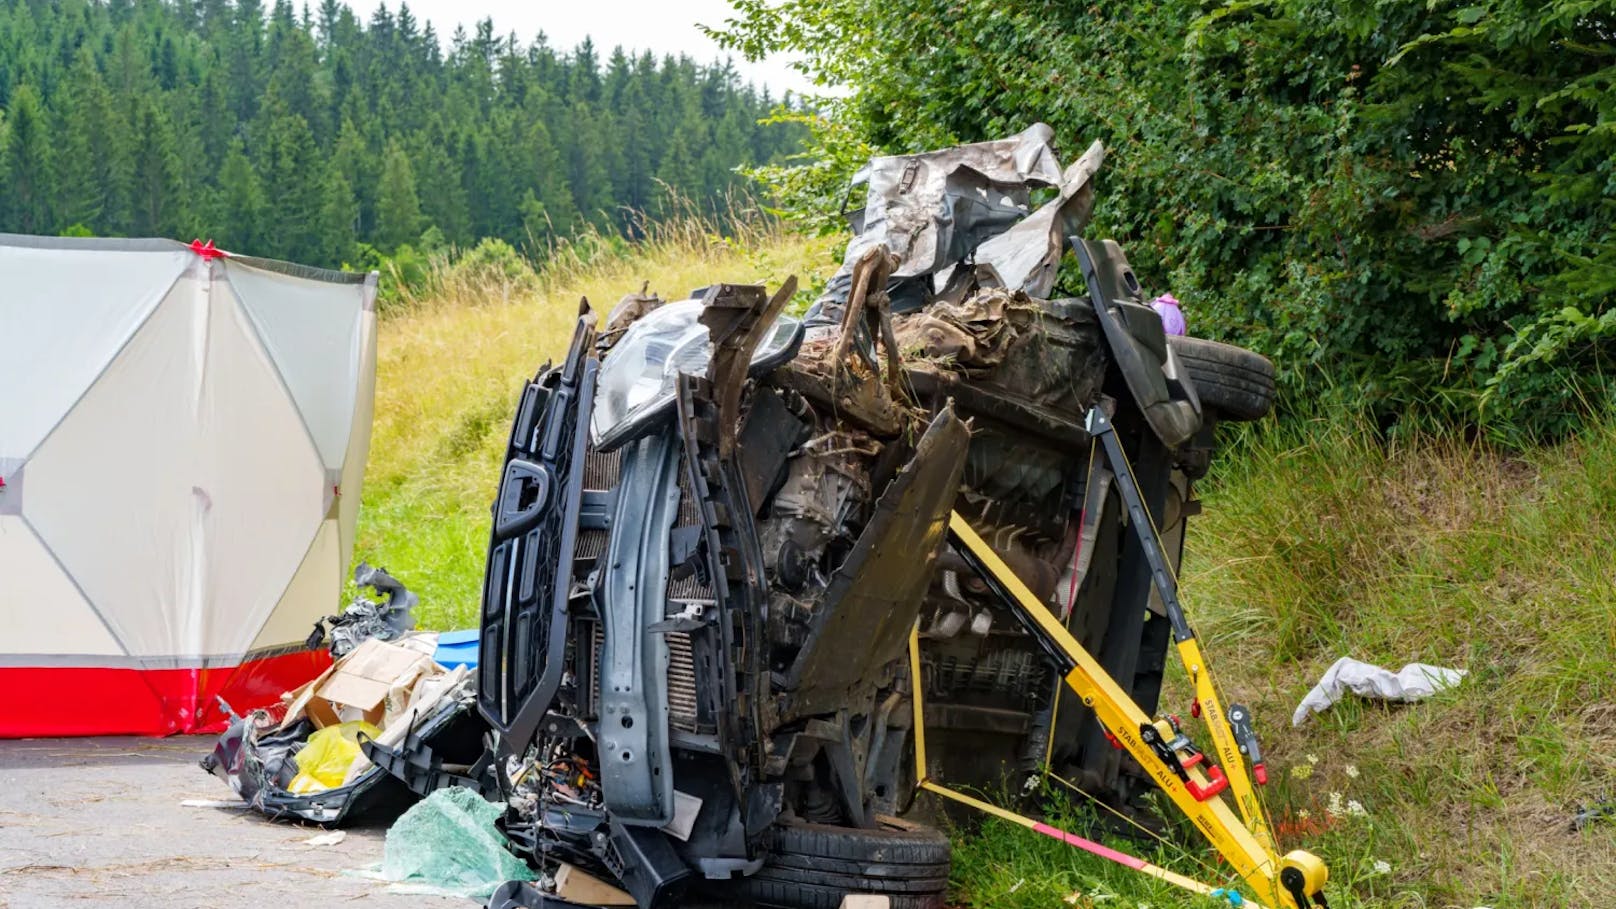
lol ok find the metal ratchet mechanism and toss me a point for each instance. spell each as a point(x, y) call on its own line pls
point(1194, 785)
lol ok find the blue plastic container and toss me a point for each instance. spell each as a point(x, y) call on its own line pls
point(457, 648)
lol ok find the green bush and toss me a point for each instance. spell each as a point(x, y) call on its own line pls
point(494, 260)
point(1407, 198)
point(405, 275)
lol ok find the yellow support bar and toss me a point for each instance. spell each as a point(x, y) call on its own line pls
point(917, 685)
point(1212, 712)
point(924, 782)
point(1254, 861)
point(1223, 742)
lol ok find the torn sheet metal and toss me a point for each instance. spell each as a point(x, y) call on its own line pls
point(844, 377)
point(738, 318)
point(1413, 682)
point(1027, 256)
point(935, 209)
point(932, 208)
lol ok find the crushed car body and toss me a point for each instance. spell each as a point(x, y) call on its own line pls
point(717, 525)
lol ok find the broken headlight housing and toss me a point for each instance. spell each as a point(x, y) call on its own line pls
point(636, 383)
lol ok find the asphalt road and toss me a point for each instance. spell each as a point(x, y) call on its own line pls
point(98, 822)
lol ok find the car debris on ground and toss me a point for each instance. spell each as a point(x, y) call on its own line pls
point(367, 736)
point(447, 844)
point(385, 619)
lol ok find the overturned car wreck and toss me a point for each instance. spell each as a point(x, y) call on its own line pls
point(718, 524)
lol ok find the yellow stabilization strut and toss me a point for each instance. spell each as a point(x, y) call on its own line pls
point(1209, 704)
point(1195, 790)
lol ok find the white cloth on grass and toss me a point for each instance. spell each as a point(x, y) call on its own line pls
point(1413, 682)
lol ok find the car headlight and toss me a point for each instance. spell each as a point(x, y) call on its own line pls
point(635, 388)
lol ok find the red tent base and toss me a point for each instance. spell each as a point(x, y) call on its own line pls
point(65, 700)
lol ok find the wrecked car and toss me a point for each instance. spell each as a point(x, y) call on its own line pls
point(718, 525)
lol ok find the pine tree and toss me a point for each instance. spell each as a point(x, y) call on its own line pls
point(243, 52)
point(552, 190)
point(339, 216)
point(292, 73)
point(442, 192)
point(353, 156)
point(27, 160)
point(330, 11)
point(216, 17)
point(94, 171)
point(586, 166)
point(157, 189)
point(288, 162)
point(398, 208)
point(238, 204)
point(636, 184)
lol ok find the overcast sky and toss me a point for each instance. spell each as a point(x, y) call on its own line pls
point(666, 27)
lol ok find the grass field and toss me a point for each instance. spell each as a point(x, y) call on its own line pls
point(1320, 539)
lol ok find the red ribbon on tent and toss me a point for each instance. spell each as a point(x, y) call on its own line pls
point(207, 250)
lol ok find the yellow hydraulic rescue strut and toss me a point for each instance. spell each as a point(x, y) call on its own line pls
point(1194, 785)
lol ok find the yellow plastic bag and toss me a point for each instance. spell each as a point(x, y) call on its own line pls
point(324, 761)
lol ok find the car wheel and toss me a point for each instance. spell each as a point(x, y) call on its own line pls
point(813, 866)
point(1235, 382)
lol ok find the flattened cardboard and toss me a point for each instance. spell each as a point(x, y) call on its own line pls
point(372, 683)
point(363, 678)
point(576, 886)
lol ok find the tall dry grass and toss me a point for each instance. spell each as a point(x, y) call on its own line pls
point(456, 277)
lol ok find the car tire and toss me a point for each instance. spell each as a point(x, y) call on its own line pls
point(1231, 380)
point(814, 866)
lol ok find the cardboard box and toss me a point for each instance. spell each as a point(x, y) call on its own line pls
point(372, 683)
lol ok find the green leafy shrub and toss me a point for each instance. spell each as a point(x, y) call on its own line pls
point(1403, 197)
point(406, 275)
point(495, 260)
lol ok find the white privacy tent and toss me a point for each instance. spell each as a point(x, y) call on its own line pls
point(182, 439)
